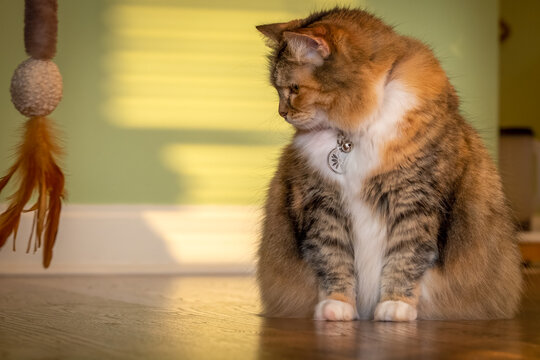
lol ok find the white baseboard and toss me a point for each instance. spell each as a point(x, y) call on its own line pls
point(146, 239)
point(130, 239)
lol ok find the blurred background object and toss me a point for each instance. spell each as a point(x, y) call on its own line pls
point(519, 162)
point(519, 117)
point(520, 65)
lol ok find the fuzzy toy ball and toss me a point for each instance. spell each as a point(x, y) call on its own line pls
point(36, 87)
point(36, 90)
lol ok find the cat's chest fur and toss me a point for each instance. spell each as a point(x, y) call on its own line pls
point(369, 232)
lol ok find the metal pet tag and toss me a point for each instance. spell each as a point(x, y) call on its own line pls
point(337, 156)
point(336, 160)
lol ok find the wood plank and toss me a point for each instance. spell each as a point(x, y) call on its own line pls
point(174, 317)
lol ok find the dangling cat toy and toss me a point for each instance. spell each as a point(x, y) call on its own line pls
point(36, 90)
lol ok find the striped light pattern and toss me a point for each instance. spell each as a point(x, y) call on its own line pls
point(200, 67)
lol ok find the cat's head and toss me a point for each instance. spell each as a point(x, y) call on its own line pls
point(329, 68)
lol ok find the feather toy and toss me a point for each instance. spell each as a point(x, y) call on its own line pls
point(36, 90)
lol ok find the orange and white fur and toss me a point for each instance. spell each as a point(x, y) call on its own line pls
point(415, 224)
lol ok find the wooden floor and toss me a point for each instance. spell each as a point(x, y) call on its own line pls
point(170, 317)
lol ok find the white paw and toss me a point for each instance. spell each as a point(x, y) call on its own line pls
point(334, 310)
point(395, 311)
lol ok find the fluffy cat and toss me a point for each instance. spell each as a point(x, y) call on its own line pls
point(386, 205)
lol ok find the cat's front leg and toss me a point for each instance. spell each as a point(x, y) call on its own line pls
point(334, 266)
point(403, 268)
point(327, 248)
point(412, 250)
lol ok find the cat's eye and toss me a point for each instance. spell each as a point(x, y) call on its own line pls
point(294, 88)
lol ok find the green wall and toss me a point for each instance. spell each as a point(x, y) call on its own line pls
point(167, 101)
point(520, 60)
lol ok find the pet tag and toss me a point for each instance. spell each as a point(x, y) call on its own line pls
point(338, 156)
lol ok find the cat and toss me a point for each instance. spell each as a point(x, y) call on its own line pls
point(386, 205)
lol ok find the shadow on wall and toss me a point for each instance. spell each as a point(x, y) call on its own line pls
point(193, 78)
point(183, 111)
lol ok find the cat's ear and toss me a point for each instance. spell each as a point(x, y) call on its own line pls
point(307, 47)
point(274, 32)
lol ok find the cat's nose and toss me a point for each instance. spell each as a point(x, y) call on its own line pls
point(283, 113)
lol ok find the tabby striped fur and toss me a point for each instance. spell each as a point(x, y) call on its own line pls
point(417, 226)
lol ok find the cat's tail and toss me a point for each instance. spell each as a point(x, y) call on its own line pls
point(473, 287)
